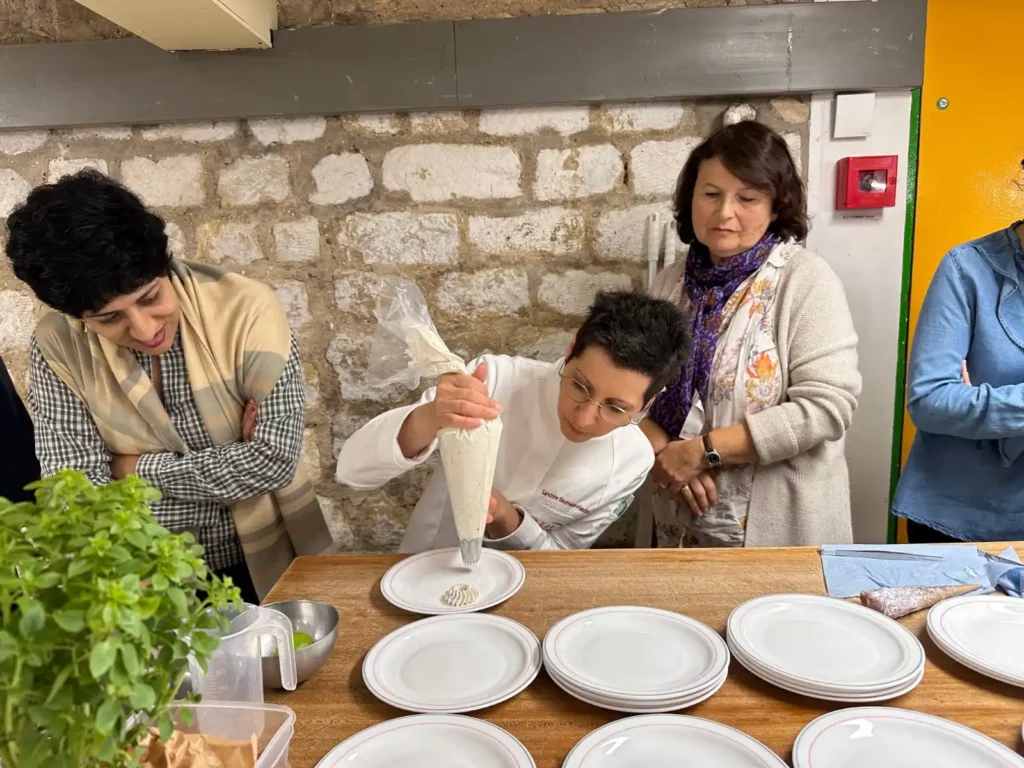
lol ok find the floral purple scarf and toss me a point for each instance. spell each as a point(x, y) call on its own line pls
point(708, 287)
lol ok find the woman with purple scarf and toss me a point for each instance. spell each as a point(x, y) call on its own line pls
point(750, 438)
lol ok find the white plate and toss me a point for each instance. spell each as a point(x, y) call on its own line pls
point(761, 671)
point(849, 697)
point(417, 583)
point(670, 741)
point(816, 640)
point(430, 741)
point(636, 708)
point(451, 664)
point(869, 737)
point(665, 703)
point(635, 652)
point(985, 633)
point(857, 694)
point(641, 702)
point(981, 669)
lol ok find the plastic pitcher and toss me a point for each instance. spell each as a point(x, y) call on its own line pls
point(235, 671)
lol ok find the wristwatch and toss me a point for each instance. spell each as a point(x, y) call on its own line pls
point(712, 458)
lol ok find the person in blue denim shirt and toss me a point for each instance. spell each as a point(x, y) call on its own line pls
point(964, 479)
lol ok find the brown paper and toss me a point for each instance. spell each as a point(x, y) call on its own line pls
point(199, 750)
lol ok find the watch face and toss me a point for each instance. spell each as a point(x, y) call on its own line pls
point(713, 459)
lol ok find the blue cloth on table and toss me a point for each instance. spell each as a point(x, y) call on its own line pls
point(888, 565)
point(1012, 582)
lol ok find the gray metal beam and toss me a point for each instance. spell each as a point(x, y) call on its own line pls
point(737, 51)
point(316, 71)
point(864, 46)
point(754, 50)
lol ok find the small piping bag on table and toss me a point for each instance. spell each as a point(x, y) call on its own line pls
point(406, 347)
point(895, 602)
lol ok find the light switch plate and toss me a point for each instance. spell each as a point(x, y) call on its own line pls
point(854, 115)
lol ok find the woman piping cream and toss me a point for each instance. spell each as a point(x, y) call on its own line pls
point(750, 438)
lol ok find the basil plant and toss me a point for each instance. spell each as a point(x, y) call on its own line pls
point(100, 609)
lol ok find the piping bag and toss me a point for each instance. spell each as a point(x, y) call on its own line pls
point(407, 347)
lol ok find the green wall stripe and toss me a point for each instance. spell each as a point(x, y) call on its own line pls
point(908, 261)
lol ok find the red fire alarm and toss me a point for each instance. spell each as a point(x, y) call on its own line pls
point(866, 182)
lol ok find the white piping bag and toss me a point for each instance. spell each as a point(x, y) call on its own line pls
point(653, 247)
point(670, 242)
point(406, 347)
point(469, 456)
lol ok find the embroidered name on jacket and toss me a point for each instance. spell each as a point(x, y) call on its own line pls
point(564, 502)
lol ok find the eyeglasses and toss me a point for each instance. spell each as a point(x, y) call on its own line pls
point(579, 393)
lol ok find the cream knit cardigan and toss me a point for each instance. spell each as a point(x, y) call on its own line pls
point(801, 489)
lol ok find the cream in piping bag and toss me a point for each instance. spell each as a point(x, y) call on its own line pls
point(469, 457)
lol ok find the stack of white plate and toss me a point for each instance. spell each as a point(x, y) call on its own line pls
point(985, 633)
point(636, 660)
point(670, 741)
point(451, 664)
point(869, 737)
point(429, 740)
point(825, 648)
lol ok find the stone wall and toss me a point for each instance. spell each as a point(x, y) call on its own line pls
point(508, 220)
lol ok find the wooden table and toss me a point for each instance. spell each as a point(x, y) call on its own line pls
point(705, 584)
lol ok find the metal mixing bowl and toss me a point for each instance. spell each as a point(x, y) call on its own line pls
point(319, 621)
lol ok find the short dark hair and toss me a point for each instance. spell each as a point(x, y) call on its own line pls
point(85, 240)
point(649, 336)
point(759, 157)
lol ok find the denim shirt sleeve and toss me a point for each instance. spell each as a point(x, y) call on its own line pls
point(938, 400)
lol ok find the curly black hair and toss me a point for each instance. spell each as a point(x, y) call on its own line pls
point(760, 157)
point(649, 336)
point(85, 240)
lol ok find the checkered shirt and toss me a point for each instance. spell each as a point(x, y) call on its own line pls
point(197, 486)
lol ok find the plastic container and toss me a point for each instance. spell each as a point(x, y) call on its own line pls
point(273, 725)
point(235, 671)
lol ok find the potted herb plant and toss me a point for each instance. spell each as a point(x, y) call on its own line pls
point(98, 614)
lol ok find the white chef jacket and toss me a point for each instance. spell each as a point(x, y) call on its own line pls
point(567, 492)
